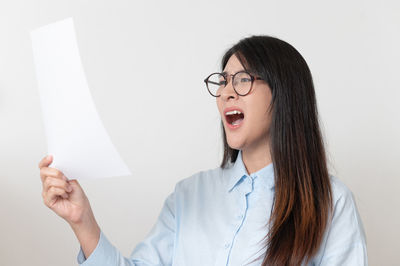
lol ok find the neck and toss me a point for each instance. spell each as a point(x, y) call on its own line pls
point(256, 158)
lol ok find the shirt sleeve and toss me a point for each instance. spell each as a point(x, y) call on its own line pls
point(345, 240)
point(155, 249)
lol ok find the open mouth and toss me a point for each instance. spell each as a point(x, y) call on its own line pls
point(234, 117)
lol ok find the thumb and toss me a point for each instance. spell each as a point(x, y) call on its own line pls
point(46, 161)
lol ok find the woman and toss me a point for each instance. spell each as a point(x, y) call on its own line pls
point(271, 202)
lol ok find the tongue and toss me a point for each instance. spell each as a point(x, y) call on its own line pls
point(237, 121)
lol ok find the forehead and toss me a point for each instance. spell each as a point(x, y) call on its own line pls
point(233, 65)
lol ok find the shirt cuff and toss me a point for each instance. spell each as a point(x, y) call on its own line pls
point(103, 254)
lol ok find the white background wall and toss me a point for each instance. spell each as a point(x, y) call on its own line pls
point(145, 62)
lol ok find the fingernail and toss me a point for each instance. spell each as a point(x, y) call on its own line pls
point(69, 188)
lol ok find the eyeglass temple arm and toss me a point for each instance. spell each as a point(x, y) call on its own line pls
point(212, 82)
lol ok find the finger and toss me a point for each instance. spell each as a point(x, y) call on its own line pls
point(53, 172)
point(76, 187)
point(74, 182)
point(56, 182)
point(46, 161)
point(51, 196)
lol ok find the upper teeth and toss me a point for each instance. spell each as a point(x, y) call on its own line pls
point(233, 112)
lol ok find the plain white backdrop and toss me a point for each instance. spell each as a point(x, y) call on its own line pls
point(145, 62)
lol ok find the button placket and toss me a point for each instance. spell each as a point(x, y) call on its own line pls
point(247, 189)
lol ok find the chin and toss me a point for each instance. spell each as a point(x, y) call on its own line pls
point(235, 144)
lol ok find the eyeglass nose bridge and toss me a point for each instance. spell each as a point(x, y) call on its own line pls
point(231, 81)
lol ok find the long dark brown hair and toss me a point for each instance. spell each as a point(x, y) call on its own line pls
point(303, 196)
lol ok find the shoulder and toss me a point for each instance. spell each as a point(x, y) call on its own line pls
point(339, 189)
point(346, 221)
point(197, 186)
point(345, 240)
point(200, 177)
point(343, 198)
point(200, 182)
point(344, 203)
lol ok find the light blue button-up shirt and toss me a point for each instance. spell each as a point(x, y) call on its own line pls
point(219, 216)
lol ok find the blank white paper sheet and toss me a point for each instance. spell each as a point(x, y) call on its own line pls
point(75, 134)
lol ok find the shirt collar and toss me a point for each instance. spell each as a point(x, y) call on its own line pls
point(237, 173)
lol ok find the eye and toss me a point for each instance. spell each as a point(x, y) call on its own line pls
point(245, 80)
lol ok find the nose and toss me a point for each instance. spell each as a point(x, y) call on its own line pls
point(228, 92)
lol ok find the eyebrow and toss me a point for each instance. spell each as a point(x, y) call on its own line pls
point(226, 73)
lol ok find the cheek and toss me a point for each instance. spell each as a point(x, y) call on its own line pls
point(259, 126)
point(259, 118)
point(260, 122)
point(258, 111)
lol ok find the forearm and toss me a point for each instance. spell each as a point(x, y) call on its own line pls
point(88, 233)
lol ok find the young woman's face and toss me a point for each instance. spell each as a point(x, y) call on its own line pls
point(253, 130)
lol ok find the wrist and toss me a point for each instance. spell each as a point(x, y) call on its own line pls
point(86, 227)
point(88, 234)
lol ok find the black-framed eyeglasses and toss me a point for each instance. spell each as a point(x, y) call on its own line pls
point(242, 82)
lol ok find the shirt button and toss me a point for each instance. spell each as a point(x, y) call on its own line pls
point(227, 245)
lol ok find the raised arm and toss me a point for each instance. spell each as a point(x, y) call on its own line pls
point(68, 200)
